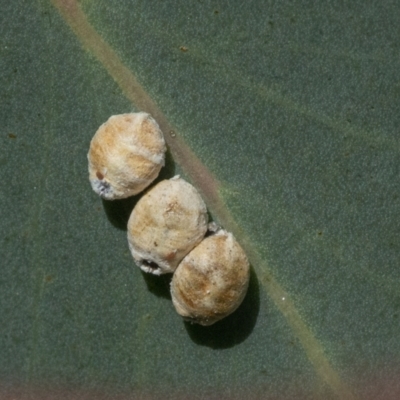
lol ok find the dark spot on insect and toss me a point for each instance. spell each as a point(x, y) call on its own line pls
point(170, 256)
point(183, 49)
point(99, 175)
point(104, 188)
point(319, 233)
point(12, 136)
point(209, 232)
point(150, 264)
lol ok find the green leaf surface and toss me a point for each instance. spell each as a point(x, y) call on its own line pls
point(285, 115)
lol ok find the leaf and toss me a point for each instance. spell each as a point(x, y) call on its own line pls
point(285, 116)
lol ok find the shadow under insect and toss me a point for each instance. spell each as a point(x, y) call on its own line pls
point(158, 285)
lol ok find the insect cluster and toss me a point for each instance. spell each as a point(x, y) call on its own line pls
point(168, 229)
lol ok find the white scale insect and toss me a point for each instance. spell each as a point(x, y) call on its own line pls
point(167, 227)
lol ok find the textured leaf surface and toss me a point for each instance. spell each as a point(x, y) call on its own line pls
point(285, 115)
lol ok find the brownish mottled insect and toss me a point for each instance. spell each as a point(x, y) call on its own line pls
point(125, 155)
point(171, 214)
point(211, 281)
